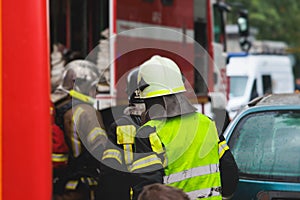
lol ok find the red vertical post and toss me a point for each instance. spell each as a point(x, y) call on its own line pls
point(1, 100)
point(210, 26)
point(114, 41)
point(26, 133)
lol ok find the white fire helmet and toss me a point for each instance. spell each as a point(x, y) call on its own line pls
point(159, 76)
point(80, 75)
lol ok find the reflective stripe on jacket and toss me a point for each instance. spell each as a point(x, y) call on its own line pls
point(191, 143)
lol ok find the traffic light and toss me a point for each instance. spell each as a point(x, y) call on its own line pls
point(243, 26)
point(243, 23)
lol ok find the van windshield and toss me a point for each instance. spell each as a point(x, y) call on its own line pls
point(237, 86)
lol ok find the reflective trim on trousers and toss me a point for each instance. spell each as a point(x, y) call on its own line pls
point(193, 172)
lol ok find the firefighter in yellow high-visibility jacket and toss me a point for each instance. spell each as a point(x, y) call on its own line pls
point(176, 145)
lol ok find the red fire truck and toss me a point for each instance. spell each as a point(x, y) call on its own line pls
point(192, 33)
point(25, 141)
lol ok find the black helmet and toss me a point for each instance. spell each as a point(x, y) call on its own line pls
point(132, 86)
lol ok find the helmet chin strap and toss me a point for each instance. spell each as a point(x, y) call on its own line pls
point(78, 95)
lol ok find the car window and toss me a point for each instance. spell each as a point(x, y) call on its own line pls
point(254, 92)
point(266, 145)
point(267, 84)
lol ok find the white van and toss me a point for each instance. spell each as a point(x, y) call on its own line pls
point(253, 75)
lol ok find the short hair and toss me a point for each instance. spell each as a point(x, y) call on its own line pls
point(159, 191)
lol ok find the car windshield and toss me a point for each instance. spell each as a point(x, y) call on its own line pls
point(237, 85)
point(266, 145)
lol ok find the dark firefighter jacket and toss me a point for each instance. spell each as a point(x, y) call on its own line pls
point(84, 135)
point(116, 181)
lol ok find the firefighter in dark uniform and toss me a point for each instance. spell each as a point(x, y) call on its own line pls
point(84, 131)
point(122, 124)
point(181, 147)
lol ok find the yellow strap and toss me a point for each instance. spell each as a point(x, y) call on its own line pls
point(82, 97)
point(126, 134)
point(156, 144)
point(131, 193)
point(128, 154)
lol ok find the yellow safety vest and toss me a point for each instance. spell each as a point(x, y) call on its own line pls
point(191, 143)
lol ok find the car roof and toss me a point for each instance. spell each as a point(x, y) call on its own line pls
point(272, 101)
point(266, 103)
point(276, 100)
